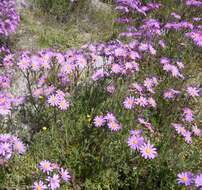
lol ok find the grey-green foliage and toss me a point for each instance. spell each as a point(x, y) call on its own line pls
point(59, 9)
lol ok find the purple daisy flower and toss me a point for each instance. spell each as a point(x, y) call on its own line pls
point(193, 91)
point(99, 121)
point(136, 132)
point(110, 117)
point(188, 115)
point(141, 101)
point(19, 147)
point(54, 182)
point(135, 142)
point(198, 180)
point(53, 100)
point(179, 128)
point(129, 102)
point(45, 166)
point(65, 175)
point(39, 185)
point(148, 151)
point(187, 137)
point(196, 131)
point(184, 178)
point(114, 126)
point(63, 105)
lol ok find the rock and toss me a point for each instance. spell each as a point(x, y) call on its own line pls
point(97, 5)
point(21, 4)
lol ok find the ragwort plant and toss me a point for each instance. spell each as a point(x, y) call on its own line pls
point(118, 115)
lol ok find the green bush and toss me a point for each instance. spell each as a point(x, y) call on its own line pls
point(59, 9)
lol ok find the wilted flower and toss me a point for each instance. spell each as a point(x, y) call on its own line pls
point(193, 91)
point(196, 131)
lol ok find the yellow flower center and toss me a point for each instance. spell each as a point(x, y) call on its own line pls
point(184, 179)
point(39, 188)
point(135, 142)
point(62, 104)
point(113, 125)
point(18, 146)
point(53, 99)
point(46, 166)
point(68, 67)
point(130, 102)
point(99, 121)
point(2, 100)
point(148, 150)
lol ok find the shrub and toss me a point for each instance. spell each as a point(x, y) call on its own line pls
point(59, 9)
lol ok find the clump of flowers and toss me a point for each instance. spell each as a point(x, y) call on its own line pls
point(196, 36)
point(137, 142)
point(58, 100)
point(8, 101)
point(54, 176)
point(109, 119)
point(9, 18)
point(10, 146)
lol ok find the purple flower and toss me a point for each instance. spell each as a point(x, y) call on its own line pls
point(99, 121)
point(65, 175)
point(19, 147)
point(188, 114)
point(114, 126)
point(9, 18)
point(135, 142)
point(45, 166)
point(54, 182)
point(193, 91)
point(110, 117)
point(194, 3)
point(179, 128)
point(164, 60)
point(196, 37)
point(196, 131)
point(63, 105)
point(185, 178)
point(129, 102)
point(111, 88)
point(187, 137)
point(99, 74)
point(116, 68)
point(53, 100)
point(39, 185)
point(148, 151)
point(141, 101)
point(136, 132)
point(162, 43)
point(198, 180)
point(175, 15)
point(10, 146)
point(171, 94)
point(152, 102)
point(81, 61)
